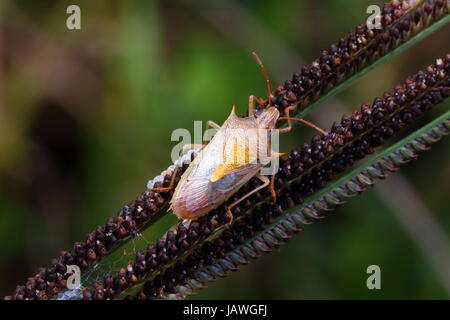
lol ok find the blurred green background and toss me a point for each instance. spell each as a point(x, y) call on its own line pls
point(86, 117)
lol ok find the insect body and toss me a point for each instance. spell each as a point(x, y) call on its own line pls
point(230, 159)
point(238, 151)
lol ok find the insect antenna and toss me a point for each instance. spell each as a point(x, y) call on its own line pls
point(269, 91)
point(305, 122)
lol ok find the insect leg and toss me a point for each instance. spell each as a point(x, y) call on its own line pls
point(171, 184)
point(265, 181)
point(251, 104)
point(213, 125)
point(289, 127)
point(287, 113)
point(272, 189)
point(191, 146)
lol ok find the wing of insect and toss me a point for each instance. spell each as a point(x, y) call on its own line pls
point(217, 171)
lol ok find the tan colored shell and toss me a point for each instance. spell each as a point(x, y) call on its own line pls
point(214, 175)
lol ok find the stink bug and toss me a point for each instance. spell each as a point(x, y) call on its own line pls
point(229, 160)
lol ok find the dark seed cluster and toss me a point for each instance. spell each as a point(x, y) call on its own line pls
point(372, 125)
point(133, 216)
point(400, 21)
point(302, 173)
point(246, 240)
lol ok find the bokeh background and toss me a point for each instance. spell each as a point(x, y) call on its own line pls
point(86, 118)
